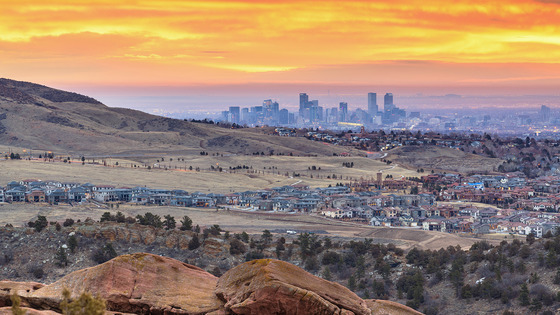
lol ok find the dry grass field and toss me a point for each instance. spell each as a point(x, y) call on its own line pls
point(267, 171)
point(442, 159)
point(251, 222)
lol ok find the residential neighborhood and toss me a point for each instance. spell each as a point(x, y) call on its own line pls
point(477, 204)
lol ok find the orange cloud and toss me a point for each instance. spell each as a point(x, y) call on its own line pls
point(185, 42)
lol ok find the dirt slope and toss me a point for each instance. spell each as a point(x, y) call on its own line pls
point(444, 159)
point(41, 118)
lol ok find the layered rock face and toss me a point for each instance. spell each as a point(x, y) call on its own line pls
point(150, 284)
point(267, 286)
point(138, 283)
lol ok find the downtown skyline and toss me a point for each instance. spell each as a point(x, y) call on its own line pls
point(209, 54)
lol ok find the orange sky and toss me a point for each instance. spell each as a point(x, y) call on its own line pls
point(180, 43)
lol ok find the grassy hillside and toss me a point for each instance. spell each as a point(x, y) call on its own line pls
point(445, 159)
point(41, 118)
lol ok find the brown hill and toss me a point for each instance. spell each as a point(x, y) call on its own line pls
point(41, 118)
point(444, 159)
point(150, 284)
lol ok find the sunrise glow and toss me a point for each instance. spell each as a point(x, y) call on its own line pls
point(231, 42)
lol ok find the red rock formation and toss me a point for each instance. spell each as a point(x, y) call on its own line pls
point(268, 286)
point(383, 307)
point(145, 283)
point(23, 289)
point(138, 283)
point(28, 311)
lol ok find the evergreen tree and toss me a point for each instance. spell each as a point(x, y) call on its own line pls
point(194, 242)
point(169, 222)
point(186, 224)
point(72, 243)
point(524, 295)
point(61, 258)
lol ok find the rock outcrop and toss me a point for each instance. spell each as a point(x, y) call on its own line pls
point(150, 284)
point(268, 286)
point(23, 289)
point(138, 283)
point(384, 307)
point(28, 311)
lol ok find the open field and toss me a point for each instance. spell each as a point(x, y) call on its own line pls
point(251, 222)
point(442, 159)
point(267, 172)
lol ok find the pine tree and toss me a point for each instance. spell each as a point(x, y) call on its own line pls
point(186, 224)
point(524, 295)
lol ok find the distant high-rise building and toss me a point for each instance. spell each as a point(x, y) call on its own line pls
point(284, 117)
point(314, 108)
point(545, 113)
point(234, 111)
point(372, 104)
point(245, 115)
point(343, 110)
point(303, 103)
point(270, 111)
point(388, 102)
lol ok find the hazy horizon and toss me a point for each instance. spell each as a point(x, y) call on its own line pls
point(208, 55)
point(201, 99)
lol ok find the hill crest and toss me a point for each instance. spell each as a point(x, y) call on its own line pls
point(40, 118)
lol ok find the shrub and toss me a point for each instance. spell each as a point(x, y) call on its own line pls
point(237, 247)
point(330, 258)
point(252, 255)
point(16, 304)
point(40, 223)
point(37, 271)
point(312, 264)
point(104, 254)
point(85, 304)
point(68, 222)
point(194, 243)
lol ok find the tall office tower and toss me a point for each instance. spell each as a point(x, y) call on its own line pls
point(388, 102)
point(235, 114)
point(284, 117)
point(313, 110)
point(334, 115)
point(275, 108)
point(343, 109)
point(303, 100)
point(245, 117)
point(372, 104)
point(545, 113)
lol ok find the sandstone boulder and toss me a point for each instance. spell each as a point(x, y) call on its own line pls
point(23, 289)
point(383, 307)
point(268, 286)
point(28, 311)
point(138, 283)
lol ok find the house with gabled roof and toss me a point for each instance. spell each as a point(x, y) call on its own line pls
point(181, 201)
point(57, 196)
point(77, 194)
point(16, 194)
point(36, 195)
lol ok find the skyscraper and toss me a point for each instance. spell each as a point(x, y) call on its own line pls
point(303, 100)
point(372, 104)
point(343, 110)
point(545, 113)
point(388, 102)
point(235, 114)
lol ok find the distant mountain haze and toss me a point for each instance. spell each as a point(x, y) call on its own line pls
point(41, 118)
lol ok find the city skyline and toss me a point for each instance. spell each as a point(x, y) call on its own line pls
point(212, 51)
